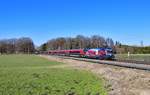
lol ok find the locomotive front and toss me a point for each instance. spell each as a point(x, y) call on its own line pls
point(100, 53)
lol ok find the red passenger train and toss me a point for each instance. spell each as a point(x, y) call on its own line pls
point(98, 53)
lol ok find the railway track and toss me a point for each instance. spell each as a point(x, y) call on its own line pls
point(121, 63)
point(133, 61)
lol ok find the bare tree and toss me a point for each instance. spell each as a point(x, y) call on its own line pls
point(110, 42)
point(3, 47)
point(25, 45)
point(97, 41)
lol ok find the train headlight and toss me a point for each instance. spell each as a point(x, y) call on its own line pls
point(96, 52)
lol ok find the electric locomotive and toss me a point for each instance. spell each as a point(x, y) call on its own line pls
point(100, 53)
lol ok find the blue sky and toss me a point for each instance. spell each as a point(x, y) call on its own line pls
point(127, 21)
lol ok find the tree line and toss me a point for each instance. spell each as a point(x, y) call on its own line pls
point(78, 42)
point(21, 45)
point(95, 41)
point(26, 45)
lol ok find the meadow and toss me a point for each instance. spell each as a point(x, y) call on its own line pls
point(33, 75)
point(138, 57)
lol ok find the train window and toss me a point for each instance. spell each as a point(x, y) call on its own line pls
point(109, 51)
point(85, 50)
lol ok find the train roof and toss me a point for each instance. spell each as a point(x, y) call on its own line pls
point(102, 48)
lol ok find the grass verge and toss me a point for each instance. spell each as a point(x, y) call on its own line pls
point(30, 75)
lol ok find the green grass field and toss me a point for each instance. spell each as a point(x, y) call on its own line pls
point(140, 57)
point(32, 75)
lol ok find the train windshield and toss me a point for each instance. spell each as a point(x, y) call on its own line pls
point(109, 51)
